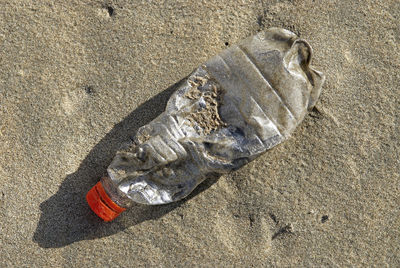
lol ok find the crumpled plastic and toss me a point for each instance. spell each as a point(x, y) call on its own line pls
point(230, 110)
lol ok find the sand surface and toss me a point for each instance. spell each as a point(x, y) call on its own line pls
point(79, 77)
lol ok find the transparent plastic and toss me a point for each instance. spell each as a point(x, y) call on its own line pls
point(230, 110)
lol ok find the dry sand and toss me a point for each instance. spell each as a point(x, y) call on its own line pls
point(79, 77)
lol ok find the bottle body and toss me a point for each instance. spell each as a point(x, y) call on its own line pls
point(233, 108)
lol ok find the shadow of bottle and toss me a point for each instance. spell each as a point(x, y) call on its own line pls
point(66, 218)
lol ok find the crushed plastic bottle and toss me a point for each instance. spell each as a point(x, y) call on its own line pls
point(233, 108)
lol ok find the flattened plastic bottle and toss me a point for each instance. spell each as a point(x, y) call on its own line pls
point(230, 110)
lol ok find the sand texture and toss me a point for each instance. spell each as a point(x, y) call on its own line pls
point(77, 78)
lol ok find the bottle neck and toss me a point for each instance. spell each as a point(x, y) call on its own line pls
point(116, 195)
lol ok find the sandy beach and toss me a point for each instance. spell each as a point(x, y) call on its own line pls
point(79, 77)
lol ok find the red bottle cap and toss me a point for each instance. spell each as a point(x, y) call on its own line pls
point(101, 203)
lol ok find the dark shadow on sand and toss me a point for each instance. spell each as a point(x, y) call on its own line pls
point(66, 218)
